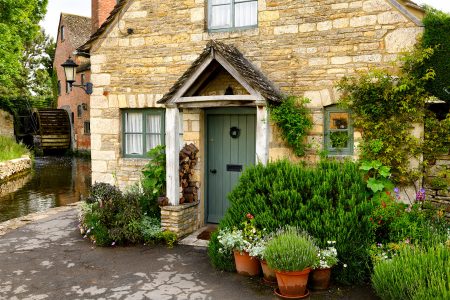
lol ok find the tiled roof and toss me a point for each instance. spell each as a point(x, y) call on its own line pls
point(87, 44)
point(79, 28)
point(247, 70)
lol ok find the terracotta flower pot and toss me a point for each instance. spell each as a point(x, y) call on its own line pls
point(268, 272)
point(293, 284)
point(320, 279)
point(245, 264)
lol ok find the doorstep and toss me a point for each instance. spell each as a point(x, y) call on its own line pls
point(193, 240)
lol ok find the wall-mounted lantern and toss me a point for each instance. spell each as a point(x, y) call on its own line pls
point(70, 71)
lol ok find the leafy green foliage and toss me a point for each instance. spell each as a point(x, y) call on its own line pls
point(377, 176)
point(386, 107)
point(291, 250)
point(414, 274)
point(9, 149)
point(153, 181)
point(294, 120)
point(110, 217)
point(437, 35)
point(437, 137)
point(328, 201)
point(18, 26)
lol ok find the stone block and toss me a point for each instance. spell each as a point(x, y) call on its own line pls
point(363, 21)
point(402, 39)
point(325, 25)
point(101, 79)
point(315, 97)
point(339, 6)
point(341, 23)
point(341, 60)
point(285, 29)
point(318, 61)
point(268, 15)
point(391, 17)
point(307, 27)
point(197, 14)
point(376, 5)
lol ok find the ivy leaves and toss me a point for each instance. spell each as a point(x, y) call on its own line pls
point(294, 120)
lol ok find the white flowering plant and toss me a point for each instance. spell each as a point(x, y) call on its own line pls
point(327, 257)
point(249, 239)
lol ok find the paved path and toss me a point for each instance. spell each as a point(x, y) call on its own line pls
point(48, 259)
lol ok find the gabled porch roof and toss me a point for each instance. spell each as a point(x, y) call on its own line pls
point(260, 89)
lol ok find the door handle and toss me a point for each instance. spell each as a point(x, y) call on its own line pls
point(214, 171)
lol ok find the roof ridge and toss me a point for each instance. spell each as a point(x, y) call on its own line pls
point(80, 16)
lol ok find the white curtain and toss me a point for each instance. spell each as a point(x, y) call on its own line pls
point(245, 13)
point(133, 133)
point(153, 131)
point(220, 13)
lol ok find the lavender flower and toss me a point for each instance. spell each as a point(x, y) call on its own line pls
point(420, 196)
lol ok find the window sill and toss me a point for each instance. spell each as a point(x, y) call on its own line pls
point(234, 31)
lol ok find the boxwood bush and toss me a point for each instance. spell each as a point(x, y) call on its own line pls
point(414, 274)
point(329, 201)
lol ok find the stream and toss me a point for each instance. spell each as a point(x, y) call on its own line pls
point(54, 181)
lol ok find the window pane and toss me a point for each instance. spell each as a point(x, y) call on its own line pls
point(133, 144)
point(153, 124)
point(133, 122)
point(153, 140)
point(246, 14)
point(339, 139)
point(339, 120)
point(221, 16)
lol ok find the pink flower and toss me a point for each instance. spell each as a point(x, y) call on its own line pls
point(249, 216)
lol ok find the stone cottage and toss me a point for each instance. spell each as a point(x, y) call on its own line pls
point(203, 72)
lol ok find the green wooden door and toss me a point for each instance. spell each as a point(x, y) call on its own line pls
point(231, 144)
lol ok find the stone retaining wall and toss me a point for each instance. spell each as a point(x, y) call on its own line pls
point(14, 167)
point(439, 196)
point(180, 219)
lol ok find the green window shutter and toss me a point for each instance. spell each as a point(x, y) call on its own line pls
point(142, 130)
point(338, 131)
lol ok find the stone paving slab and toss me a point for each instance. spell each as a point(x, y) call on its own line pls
point(48, 259)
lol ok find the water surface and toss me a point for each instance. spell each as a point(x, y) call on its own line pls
point(55, 181)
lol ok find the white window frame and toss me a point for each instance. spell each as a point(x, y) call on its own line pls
point(232, 16)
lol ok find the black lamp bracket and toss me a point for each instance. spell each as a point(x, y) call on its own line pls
point(87, 87)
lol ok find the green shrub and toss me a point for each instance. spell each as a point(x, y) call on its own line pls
point(414, 274)
point(151, 229)
point(153, 181)
point(328, 201)
point(291, 250)
point(9, 149)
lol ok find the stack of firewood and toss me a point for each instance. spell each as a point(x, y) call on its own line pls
point(188, 187)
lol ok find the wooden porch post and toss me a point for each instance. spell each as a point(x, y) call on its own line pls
point(172, 155)
point(262, 134)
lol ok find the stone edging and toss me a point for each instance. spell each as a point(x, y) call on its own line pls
point(14, 167)
point(12, 224)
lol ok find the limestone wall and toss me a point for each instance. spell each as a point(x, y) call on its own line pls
point(180, 219)
point(14, 167)
point(304, 47)
point(6, 124)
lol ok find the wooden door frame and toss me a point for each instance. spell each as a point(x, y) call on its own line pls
point(219, 111)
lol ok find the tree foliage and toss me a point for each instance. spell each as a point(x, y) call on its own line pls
point(18, 29)
point(437, 35)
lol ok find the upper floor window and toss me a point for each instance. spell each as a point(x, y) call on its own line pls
point(62, 33)
point(229, 14)
point(83, 78)
point(59, 87)
point(338, 131)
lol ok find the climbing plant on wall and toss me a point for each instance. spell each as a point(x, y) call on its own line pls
point(386, 107)
point(294, 120)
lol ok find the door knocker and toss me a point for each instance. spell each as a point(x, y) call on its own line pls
point(235, 132)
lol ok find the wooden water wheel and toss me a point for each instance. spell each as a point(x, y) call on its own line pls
point(53, 128)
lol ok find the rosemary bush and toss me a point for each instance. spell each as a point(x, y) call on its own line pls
point(328, 201)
